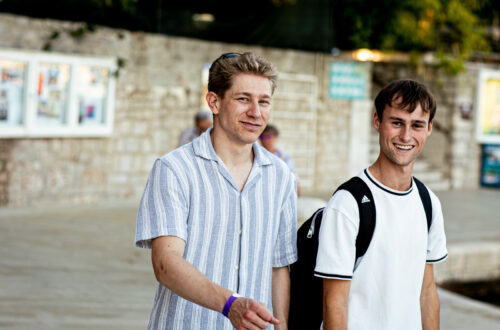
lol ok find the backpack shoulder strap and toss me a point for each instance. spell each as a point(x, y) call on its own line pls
point(367, 214)
point(426, 200)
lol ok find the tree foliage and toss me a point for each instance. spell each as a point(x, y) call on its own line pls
point(447, 27)
point(439, 25)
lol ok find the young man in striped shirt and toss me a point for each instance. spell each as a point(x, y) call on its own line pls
point(220, 213)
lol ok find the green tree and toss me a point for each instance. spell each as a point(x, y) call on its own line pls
point(451, 28)
point(448, 27)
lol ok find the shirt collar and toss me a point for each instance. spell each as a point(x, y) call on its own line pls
point(203, 148)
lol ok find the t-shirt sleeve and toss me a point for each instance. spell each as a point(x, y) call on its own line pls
point(163, 208)
point(285, 251)
point(436, 243)
point(337, 238)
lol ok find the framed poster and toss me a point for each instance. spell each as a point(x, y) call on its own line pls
point(11, 92)
point(490, 166)
point(52, 93)
point(92, 89)
point(488, 107)
point(44, 94)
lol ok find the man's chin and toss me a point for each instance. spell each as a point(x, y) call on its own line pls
point(248, 139)
point(401, 161)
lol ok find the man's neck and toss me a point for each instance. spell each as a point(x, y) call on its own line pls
point(273, 150)
point(230, 153)
point(238, 158)
point(394, 176)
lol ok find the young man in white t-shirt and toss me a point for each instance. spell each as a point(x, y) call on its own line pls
point(392, 286)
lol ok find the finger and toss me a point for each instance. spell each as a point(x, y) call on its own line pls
point(255, 320)
point(251, 326)
point(263, 312)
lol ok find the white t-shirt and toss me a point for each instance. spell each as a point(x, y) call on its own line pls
point(387, 281)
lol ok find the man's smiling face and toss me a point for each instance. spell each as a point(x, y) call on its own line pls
point(244, 110)
point(402, 134)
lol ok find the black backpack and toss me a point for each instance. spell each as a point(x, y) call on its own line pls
point(306, 290)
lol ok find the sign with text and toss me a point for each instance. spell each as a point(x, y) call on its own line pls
point(348, 80)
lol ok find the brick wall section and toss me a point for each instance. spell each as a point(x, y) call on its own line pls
point(158, 92)
point(465, 152)
point(6, 147)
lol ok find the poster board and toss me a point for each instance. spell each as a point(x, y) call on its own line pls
point(46, 94)
point(488, 107)
point(12, 79)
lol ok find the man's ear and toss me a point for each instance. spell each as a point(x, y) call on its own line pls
point(429, 131)
point(213, 102)
point(376, 121)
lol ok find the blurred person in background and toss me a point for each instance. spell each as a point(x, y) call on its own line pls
point(202, 122)
point(268, 140)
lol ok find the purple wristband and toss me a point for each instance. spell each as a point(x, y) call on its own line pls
point(229, 302)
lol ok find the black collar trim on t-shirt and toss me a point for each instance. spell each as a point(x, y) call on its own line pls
point(387, 190)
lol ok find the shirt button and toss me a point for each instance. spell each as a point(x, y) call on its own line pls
point(239, 232)
point(236, 267)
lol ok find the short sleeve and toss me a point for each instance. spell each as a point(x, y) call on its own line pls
point(337, 238)
point(436, 243)
point(163, 208)
point(285, 251)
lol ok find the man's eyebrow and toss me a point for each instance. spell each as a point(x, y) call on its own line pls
point(424, 122)
point(250, 94)
point(413, 121)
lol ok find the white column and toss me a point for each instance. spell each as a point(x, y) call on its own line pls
point(359, 136)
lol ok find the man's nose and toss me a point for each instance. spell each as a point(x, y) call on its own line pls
point(405, 133)
point(254, 109)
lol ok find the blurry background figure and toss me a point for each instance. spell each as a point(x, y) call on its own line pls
point(268, 140)
point(202, 121)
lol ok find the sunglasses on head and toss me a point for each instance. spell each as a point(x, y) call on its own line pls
point(229, 55)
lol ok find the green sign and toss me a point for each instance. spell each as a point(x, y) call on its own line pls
point(348, 80)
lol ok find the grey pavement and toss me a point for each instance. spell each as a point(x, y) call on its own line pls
point(77, 267)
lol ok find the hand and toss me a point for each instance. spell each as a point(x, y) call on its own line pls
point(250, 314)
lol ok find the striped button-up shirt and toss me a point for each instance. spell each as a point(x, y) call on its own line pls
point(233, 237)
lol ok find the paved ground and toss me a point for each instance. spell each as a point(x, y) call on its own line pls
point(77, 268)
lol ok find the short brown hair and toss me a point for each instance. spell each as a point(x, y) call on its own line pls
point(225, 68)
point(406, 94)
point(271, 129)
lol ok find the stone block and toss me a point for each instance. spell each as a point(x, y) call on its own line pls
point(118, 180)
point(158, 92)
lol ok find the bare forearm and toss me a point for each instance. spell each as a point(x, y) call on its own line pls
point(335, 304)
point(281, 295)
point(429, 305)
point(335, 317)
point(429, 300)
point(186, 281)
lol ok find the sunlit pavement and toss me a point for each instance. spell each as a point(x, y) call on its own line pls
point(77, 267)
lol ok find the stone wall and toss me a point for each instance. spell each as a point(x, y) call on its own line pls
point(158, 92)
